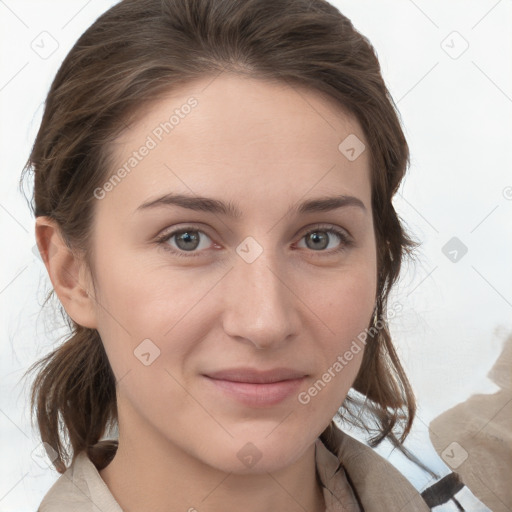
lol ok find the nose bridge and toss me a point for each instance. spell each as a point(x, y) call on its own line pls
point(259, 306)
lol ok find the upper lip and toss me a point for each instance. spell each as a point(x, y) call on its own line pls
point(255, 376)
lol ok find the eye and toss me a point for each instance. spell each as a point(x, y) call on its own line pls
point(190, 241)
point(187, 240)
point(321, 237)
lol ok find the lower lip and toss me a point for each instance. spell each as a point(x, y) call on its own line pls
point(258, 395)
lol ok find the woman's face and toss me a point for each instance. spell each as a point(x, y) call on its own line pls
point(235, 292)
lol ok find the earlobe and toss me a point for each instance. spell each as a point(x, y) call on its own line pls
point(67, 272)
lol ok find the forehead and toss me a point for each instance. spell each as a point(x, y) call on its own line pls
point(232, 136)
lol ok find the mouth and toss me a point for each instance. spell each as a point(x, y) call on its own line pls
point(255, 376)
point(255, 388)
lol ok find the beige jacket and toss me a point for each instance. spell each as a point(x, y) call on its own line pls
point(475, 438)
point(379, 486)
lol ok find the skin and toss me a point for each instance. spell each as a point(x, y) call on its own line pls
point(264, 146)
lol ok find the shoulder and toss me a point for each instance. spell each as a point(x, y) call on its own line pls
point(81, 489)
point(378, 484)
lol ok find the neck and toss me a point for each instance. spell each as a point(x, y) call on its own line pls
point(140, 477)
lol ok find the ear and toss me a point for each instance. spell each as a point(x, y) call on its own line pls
point(69, 276)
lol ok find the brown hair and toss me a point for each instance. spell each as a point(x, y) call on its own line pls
point(136, 52)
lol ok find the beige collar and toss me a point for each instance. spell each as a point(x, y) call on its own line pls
point(378, 485)
point(338, 494)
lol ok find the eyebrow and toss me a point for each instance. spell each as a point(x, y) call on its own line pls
point(229, 209)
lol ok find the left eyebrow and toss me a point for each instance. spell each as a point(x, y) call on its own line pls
point(208, 204)
point(327, 204)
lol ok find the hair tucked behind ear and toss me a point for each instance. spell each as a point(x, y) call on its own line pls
point(140, 50)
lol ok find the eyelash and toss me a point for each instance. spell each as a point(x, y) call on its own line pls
point(346, 242)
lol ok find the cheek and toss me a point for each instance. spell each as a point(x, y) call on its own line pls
point(150, 318)
point(345, 311)
point(344, 302)
point(138, 317)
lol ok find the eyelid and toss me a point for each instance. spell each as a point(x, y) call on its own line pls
point(325, 227)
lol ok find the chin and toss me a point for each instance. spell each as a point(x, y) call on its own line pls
point(254, 454)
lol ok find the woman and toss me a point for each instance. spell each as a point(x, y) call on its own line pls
point(213, 201)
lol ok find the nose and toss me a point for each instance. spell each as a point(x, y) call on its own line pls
point(260, 304)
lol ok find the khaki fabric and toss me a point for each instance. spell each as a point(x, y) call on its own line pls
point(378, 485)
point(475, 438)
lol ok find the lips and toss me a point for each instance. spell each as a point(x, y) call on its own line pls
point(255, 388)
point(254, 376)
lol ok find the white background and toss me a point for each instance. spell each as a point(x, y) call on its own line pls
point(457, 117)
